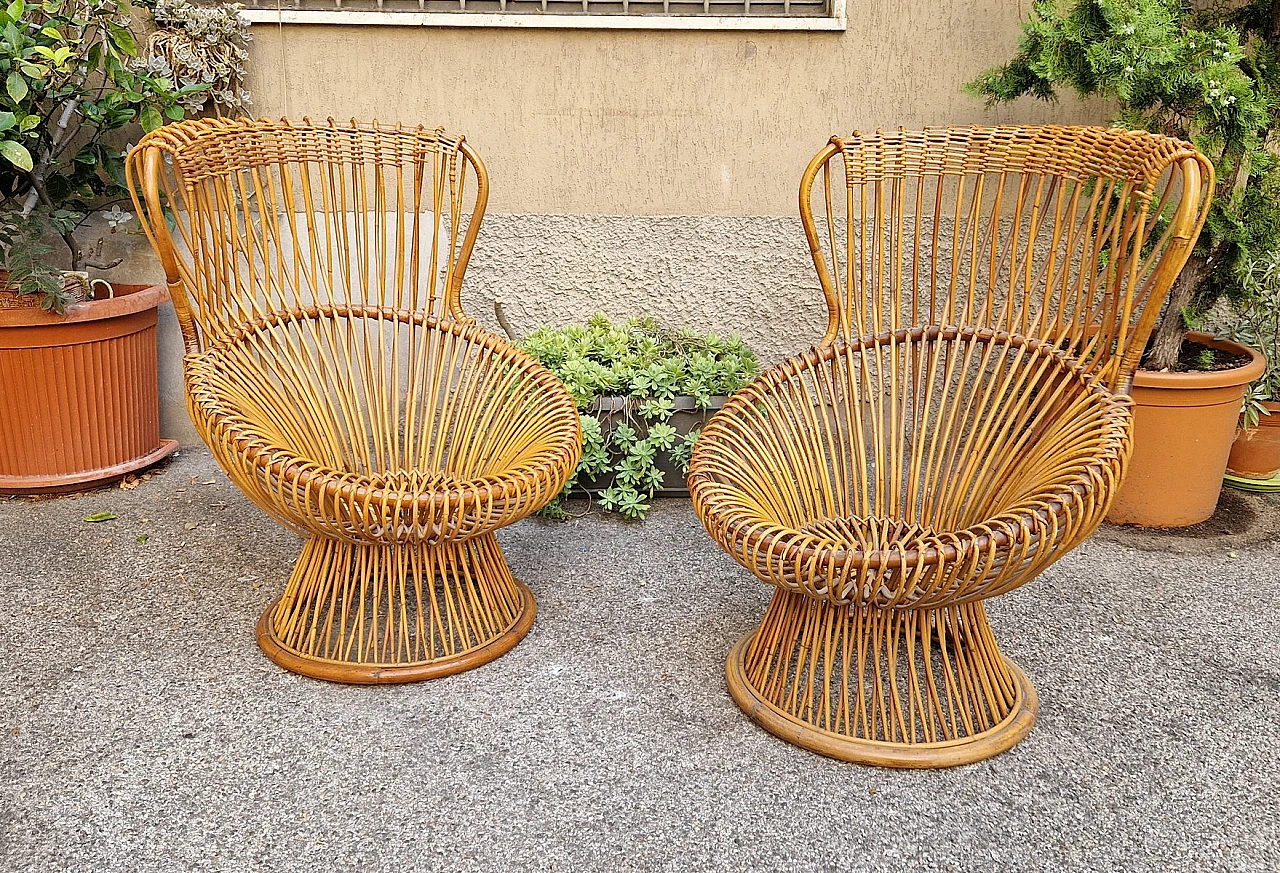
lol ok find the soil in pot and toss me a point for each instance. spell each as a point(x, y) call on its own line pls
point(1197, 357)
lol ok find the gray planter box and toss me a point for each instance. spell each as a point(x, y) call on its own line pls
point(686, 418)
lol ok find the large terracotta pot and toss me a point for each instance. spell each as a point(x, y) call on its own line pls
point(79, 395)
point(1256, 452)
point(1183, 426)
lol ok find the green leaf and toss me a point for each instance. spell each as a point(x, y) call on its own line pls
point(114, 167)
point(16, 86)
point(123, 38)
point(150, 118)
point(662, 435)
point(101, 516)
point(16, 8)
point(7, 120)
point(16, 154)
point(175, 112)
point(28, 123)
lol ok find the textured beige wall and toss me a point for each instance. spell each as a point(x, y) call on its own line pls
point(652, 122)
point(640, 171)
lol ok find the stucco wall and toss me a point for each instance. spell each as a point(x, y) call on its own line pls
point(641, 171)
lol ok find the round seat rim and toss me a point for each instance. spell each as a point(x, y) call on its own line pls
point(1116, 416)
point(296, 472)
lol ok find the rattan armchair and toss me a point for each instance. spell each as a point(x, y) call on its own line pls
point(315, 270)
point(963, 423)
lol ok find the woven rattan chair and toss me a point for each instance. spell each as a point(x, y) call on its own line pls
point(315, 270)
point(963, 423)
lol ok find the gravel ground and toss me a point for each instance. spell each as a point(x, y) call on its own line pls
point(143, 730)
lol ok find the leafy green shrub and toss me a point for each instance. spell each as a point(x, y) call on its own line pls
point(650, 367)
point(1256, 323)
point(24, 260)
point(76, 81)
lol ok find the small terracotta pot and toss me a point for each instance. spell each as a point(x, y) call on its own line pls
point(79, 398)
point(1183, 426)
point(1256, 452)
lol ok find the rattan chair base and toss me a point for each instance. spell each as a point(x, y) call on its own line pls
point(382, 614)
point(796, 685)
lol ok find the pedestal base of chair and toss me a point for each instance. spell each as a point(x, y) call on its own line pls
point(375, 614)
point(893, 688)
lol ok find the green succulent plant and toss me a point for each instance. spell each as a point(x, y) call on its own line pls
point(649, 366)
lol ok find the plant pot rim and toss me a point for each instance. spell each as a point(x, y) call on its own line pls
point(1242, 375)
point(91, 310)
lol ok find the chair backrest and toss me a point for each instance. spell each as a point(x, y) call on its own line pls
point(272, 217)
point(1069, 234)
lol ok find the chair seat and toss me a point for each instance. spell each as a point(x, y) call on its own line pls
point(455, 436)
point(994, 444)
point(877, 533)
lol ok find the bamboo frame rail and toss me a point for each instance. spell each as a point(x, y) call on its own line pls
point(963, 423)
point(316, 271)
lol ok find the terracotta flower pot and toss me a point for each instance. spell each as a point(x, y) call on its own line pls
point(1183, 426)
point(79, 398)
point(1256, 452)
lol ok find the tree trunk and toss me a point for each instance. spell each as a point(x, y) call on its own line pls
point(1166, 340)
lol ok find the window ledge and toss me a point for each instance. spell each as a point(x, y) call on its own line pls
point(596, 22)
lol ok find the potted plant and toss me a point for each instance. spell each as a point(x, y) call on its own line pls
point(78, 383)
point(1206, 73)
point(1255, 454)
point(643, 393)
point(26, 279)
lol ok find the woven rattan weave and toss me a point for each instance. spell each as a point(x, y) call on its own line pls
point(963, 423)
point(316, 272)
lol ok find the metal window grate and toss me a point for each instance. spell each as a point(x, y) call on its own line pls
point(656, 8)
